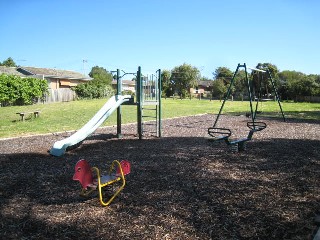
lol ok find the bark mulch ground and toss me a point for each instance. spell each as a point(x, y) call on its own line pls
point(181, 186)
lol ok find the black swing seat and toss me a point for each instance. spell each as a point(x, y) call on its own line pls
point(256, 126)
point(219, 133)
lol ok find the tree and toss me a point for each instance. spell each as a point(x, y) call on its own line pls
point(240, 85)
point(8, 63)
point(271, 67)
point(305, 87)
point(218, 88)
point(183, 78)
point(316, 79)
point(265, 80)
point(288, 80)
point(224, 75)
point(101, 75)
point(166, 83)
point(99, 87)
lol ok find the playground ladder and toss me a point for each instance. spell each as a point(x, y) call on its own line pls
point(149, 103)
point(150, 117)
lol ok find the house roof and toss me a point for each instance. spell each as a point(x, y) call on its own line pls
point(46, 72)
point(206, 83)
point(53, 73)
point(10, 71)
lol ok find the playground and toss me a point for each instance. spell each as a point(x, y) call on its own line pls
point(181, 185)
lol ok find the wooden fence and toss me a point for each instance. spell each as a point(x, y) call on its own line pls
point(60, 95)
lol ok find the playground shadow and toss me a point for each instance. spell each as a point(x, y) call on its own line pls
point(179, 187)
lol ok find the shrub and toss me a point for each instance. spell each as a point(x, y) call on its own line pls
point(15, 90)
point(93, 89)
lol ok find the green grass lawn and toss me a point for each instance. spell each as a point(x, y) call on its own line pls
point(65, 116)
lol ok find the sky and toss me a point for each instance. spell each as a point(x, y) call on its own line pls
point(161, 34)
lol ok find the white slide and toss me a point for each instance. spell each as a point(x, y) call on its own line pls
point(108, 108)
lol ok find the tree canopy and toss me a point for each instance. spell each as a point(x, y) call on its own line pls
point(166, 83)
point(101, 75)
point(99, 87)
point(8, 63)
point(183, 78)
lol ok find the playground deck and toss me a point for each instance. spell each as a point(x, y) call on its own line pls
point(181, 186)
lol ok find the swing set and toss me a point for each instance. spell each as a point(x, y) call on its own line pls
point(219, 133)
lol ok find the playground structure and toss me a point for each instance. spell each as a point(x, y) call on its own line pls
point(219, 133)
point(148, 99)
point(91, 179)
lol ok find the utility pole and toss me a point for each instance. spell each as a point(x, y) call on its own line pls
point(84, 61)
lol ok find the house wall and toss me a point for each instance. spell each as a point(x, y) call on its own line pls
point(125, 86)
point(53, 83)
point(130, 88)
point(56, 83)
point(197, 91)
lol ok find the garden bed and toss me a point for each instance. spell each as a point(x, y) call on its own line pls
point(181, 186)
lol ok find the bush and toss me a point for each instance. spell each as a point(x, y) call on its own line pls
point(15, 90)
point(128, 92)
point(93, 89)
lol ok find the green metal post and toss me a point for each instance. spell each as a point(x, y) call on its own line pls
point(139, 102)
point(249, 92)
point(159, 102)
point(276, 93)
point(227, 95)
point(260, 80)
point(119, 90)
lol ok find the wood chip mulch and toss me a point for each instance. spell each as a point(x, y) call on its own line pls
point(181, 186)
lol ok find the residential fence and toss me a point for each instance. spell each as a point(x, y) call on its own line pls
point(60, 95)
point(313, 99)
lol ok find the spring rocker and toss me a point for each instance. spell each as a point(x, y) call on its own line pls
point(221, 133)
point(91, 179)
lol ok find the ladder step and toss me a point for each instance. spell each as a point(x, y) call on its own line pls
point(149, 108)
point(149, 132)
point(149, 124)
point(149, 116)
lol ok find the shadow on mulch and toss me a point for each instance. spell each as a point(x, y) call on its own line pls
point(179, 188)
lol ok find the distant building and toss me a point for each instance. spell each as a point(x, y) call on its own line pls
point(203, 87)
point(127, 85)
point(56, 78)
point(59, 81)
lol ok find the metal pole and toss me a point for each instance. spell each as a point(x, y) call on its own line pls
point(159, 102)
point(276, 93)
point(260, 81)
point(119, 90)
point(249, 91)
point(139, 102)
point(227, 95)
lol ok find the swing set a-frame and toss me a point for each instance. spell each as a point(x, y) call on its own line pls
point(219, 133)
